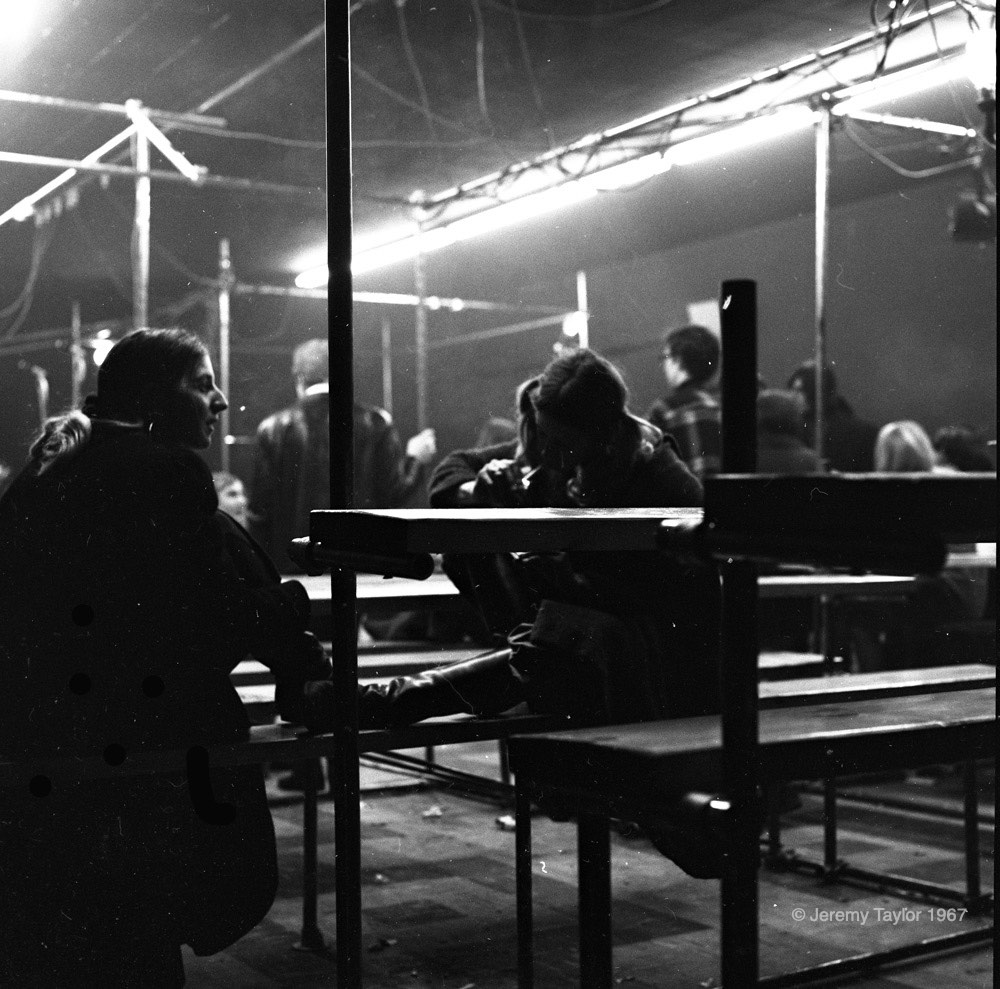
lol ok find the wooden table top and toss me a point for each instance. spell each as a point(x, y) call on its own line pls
point(495, 530)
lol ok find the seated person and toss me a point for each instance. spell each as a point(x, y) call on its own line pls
point(917, 633)
point(126, 599)
point(605, 636)
point(781, 427)
point(963, 449)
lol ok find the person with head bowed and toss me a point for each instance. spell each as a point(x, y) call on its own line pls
point(127, 599)
point(600, 637)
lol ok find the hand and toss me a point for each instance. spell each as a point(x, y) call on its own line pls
point(496, 485)
point(422, 446)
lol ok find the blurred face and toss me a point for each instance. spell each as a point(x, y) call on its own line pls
point(673, 373)
point(233, 501)
point(563, 447)
point(193, 408)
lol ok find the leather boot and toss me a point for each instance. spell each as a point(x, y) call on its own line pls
point(483, 685)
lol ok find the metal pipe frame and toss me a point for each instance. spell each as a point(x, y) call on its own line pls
point(739, 650)
point(160, 175)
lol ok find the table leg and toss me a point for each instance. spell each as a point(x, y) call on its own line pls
point(594, 857)
point(522, 873)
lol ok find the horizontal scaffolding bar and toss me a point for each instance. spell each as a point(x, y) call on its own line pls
point(177, 118)
point(125, 171)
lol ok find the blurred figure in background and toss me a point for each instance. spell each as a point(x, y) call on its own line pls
point(848, 441)
point(232, 497)
point(781, 427)
point(496, 429)
point(292, 461)
point(949, 617)
point(687, 412)
point(963, 448)
point(904, 448)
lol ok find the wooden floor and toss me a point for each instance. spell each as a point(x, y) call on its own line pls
point(439, 899)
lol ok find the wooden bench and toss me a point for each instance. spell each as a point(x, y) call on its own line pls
point(644, 772)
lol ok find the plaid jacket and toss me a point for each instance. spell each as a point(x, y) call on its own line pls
point(694, 419)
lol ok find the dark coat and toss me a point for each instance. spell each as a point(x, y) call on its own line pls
point(848, 440)
point(778, 453)
point(127, 599)
point(651, 639)
point(292, 470)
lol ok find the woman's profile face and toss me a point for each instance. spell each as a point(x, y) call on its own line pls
point(193, 407)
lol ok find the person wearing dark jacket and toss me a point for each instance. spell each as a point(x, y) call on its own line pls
point(602, 636)
point(848, 440)
point(781, 448)
point(126, 598)
point(688, 412)
point(292, 462)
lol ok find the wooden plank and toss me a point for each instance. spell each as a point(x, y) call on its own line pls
point(810, 742)
point(887, 683)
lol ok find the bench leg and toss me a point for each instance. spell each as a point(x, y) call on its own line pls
point(505, 776)
point(973, 891)
point(522, 876)
point(594, 857)
point(311, 937)
point(830, 864)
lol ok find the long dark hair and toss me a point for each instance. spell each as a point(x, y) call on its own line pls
point(138, 372)
point(585, 390)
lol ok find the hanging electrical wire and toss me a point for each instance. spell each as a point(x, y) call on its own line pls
point(411, 61)
point(546, 123)
point(122, 288)
point(477, 12)
point(611, 15)
point(406, 101)
point(22, 304)
point(907, 173)
point(236, 135)
point(167, 255)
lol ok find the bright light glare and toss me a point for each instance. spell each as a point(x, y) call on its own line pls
point(316, 277)
point(16, 19)
point(741, 136)
point(102, 348)
point(574, 324)
point(467, 227)
point(624, 174)
point(903, 83)
point(981, 59)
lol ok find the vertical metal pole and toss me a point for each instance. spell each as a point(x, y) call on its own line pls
point(344, 770)
point(78, 362)
point(594, 857)
point(225, 288)
point(522, 878)
point(581, 307)
point(970, 806)
point(420, 326)
point(738, 645)
point(387, 365)
point(822, 218)
point(140, 233)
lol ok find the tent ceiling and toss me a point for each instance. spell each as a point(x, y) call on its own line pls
point(442, 92)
